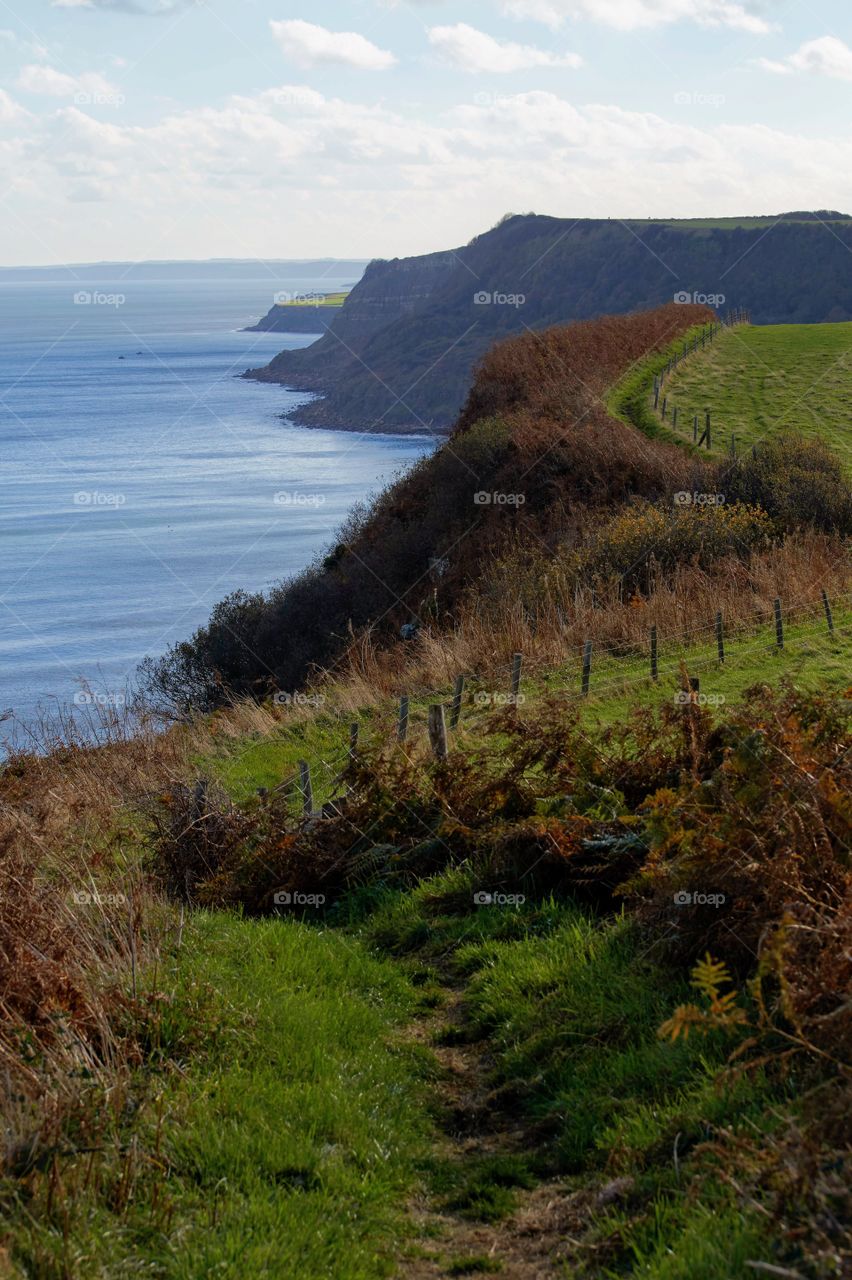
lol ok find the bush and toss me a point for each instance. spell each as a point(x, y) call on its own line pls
point(797, 480)
point(646, 539)
point(534, 430)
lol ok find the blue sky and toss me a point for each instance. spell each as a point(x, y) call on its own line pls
point(245, 128)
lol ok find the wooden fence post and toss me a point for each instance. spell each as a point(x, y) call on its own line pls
point(438, 730)
point(517, 662)
point(674, 417)
point(656, 392)
point(402, 726)
point(720, 637)
point(827, 606)
point(663, 410)
point(455, 711)
point(779, 623)
point(306, 788)
point(587, 667)
point(654, 668)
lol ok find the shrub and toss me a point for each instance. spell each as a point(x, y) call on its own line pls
point(646, 539)
point(797, 480)
point(535, 428)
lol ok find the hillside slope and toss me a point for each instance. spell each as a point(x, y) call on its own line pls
point(401, 354)
point(534, 451)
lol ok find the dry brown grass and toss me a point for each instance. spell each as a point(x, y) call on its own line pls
point(79, 924)
point(492, 625)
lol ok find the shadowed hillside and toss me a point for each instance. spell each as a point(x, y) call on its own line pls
point(535, 453)
point(401, 354)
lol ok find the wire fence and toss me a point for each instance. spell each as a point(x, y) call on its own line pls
point(591, 675)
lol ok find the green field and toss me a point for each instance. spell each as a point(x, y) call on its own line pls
point(812, 657)
point(758, 381)
point(320, 300)
point(746, 222)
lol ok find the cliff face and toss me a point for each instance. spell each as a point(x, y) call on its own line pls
point(400, 355)
point(387, 293)
point(290, 319)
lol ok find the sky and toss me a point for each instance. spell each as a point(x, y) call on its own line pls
point(138, 129)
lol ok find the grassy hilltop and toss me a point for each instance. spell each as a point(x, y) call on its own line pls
point(402, 352)
point(565, 999)
point(762, 380)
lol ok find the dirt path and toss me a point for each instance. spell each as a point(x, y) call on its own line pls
point(537, 1240)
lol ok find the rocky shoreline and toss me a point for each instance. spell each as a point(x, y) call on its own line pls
point(318, 414)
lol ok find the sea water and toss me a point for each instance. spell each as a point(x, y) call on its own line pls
point(142, 480)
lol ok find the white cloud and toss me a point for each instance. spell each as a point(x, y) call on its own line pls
point(308, 44)
point(41, 79)
point(629, 15)
point(826, 56)
point(146, 7)
point(10, 110)
point(240, 179)
point(472, 50)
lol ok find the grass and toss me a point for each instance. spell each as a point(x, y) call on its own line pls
point(320, 300)
point(287, 1141)
point(812, 657)
point(265, 759)
point(760, 380)
point(629, 398)
point(569, 1007)
point(747, 222)
point(274, 1118)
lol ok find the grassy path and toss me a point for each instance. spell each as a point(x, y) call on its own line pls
point(286, 1144)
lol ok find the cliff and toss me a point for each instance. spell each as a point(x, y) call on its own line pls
point(401, 353)
point(295, 319)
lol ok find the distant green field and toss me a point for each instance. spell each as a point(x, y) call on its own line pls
point(760, 380)
point(747, 223)
point(320, 300)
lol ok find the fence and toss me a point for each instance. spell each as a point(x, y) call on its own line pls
point(699, 341)
point(441, 706)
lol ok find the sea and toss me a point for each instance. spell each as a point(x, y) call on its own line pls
point(141, 479)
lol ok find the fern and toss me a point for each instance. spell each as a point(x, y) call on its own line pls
point(721, 1012)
